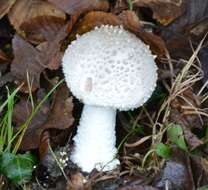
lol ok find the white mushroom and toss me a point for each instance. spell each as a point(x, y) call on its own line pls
point(107, 69)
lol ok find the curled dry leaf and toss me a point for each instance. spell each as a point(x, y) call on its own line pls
point(26, 60)
point(76, 182)
point(50, 52)
point(33, 60)
point(92, 19)
point(36, 19)
point(128, 19)
point(72, 7)
point(164, 11)
point(5, 6)
point(42, 28)
point(44, 144)
point(132, 23)
point(59, 116)
point(61, 112)
point(184, 112)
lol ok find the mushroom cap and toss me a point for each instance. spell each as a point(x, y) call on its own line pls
point(110, 66)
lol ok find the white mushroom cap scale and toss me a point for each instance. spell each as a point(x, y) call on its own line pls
point(110, 66)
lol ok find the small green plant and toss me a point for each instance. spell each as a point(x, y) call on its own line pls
point(175, 135)
point(203, 188)
point(6, 130)
point(163, 151)
point(17, 168)
point(130, 4)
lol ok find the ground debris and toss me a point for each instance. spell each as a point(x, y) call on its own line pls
point(163, 11)
point(184, 112)
point(56, 116)
point(72, 7)
point(33, 37)
point(176, 173)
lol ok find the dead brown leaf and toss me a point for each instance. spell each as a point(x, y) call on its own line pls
point(77, 182)
point(36, 19)
point(26, 60)
point(130, 22)
point(58, 116)
point(42, 28)
point(164, 11)
point(44, 144)
point(61, 112)
point(5, 6)
point(50, 52)
point(79, 6)
point(92, 19)
point(31, 60)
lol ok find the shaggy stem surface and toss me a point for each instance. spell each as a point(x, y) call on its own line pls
point(95, 140)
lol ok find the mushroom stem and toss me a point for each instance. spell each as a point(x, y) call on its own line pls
point(95, 140)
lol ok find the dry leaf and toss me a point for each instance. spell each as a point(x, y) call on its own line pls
point(42, 28)
point(5, 6)
point(77, 182)
point(79, 6)
point(51, 55)
point(165, 11)
point(59, 116)
point(92, 19)
point(36, 19)
point(130, 22)
point(26, 60)
point(61, 112)
point(50, 51)
point(44, 144)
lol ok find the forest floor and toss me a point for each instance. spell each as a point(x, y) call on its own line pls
point(162, 145)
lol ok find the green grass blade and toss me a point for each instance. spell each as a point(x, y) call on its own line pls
point(23, 128)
